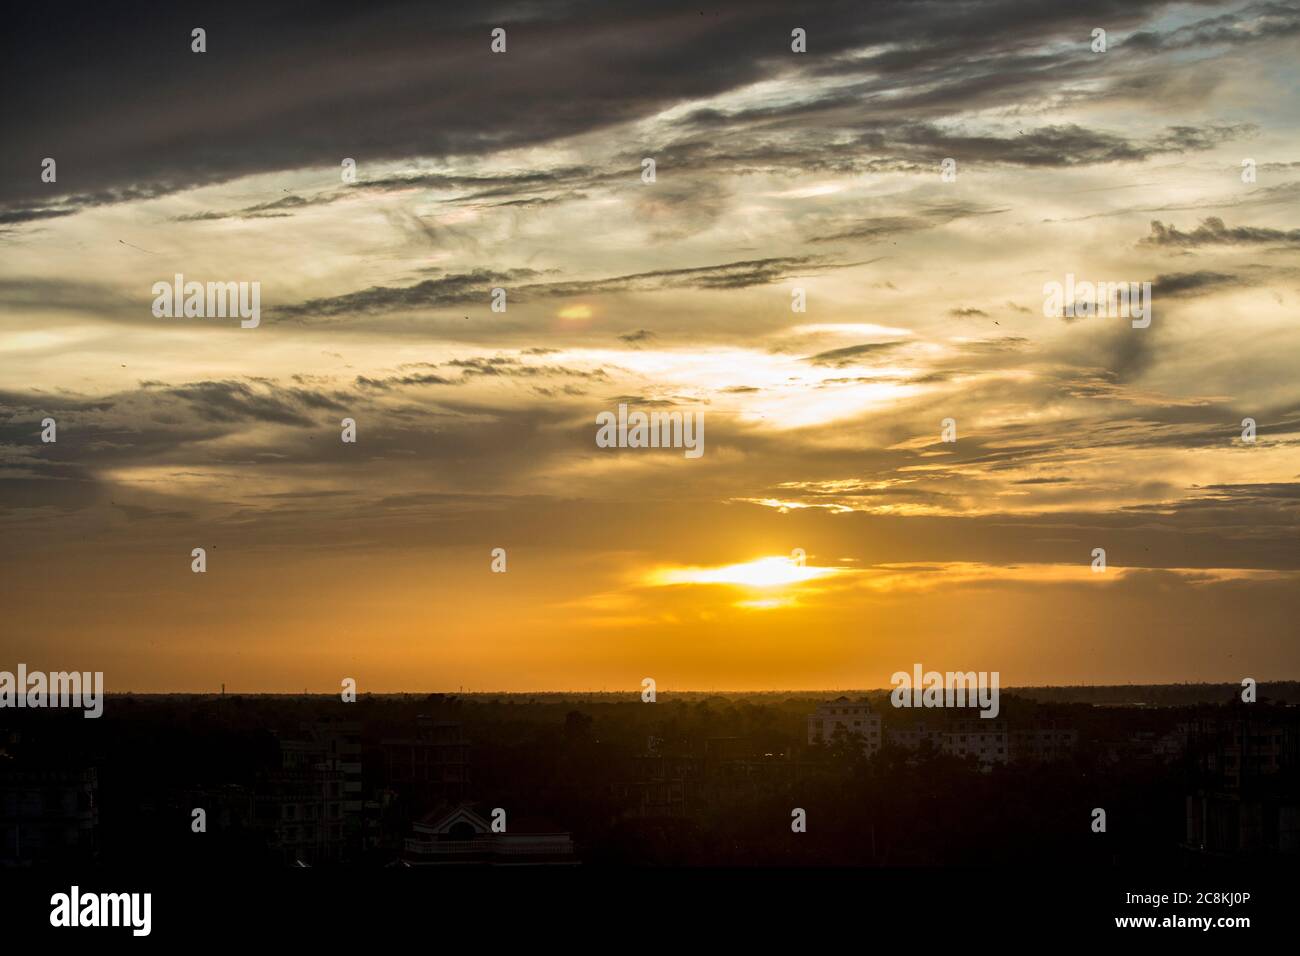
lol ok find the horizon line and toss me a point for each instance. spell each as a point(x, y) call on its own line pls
point(635, 692)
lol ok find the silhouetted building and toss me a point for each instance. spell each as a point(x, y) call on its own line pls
point(228, 806)
point(737, 768)
point(990, 741)
point(1246, 768)
point(334, 746)
point(430, 767)
point(463, 836)
point(917, 734)
point(1042, 743)
point(47, 815)
point(1235, 751)
point(1150, 746)
point(663, 785)
point(313, 804)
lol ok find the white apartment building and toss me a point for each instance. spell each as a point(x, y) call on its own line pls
point(845, 716)
point(985, 740)
point(988, 741)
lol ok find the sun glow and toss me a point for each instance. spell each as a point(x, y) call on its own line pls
point(771, 572)
point(575, 313)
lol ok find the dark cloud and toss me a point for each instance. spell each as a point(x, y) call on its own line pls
point(635, 338)
point(1212, 231)
point(1266, 491)
point(465, 288)
point(845, 357)
point(505, 367)
point(140, 115)
point(1201, 282)
point(1246, 25)
point(1062, 146)
point(519, 189)
point(927, 216)
point(356, 81)
point(385, 384)
point(465, 370)
point(234, 401)
point(447, 290)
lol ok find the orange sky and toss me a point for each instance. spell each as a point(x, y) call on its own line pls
point(778, 177)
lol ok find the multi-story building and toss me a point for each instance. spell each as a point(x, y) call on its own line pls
point(917, 735)
point(313, 804)
point(304, 811)
point(743, 768)
point(663, 785)
point(844, 716)
point(1246, 765)
point(1236, 750)
point(1042, 743)
point(430, 767)
point(331, 745)
point(47, 815)
point(988, 741)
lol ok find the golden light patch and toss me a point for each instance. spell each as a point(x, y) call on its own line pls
point(770, 572)
point(765, 604)
point(575, 313)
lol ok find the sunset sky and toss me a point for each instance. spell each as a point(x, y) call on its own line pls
point(476, 429)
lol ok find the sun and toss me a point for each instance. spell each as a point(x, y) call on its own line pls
point(769, 572)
